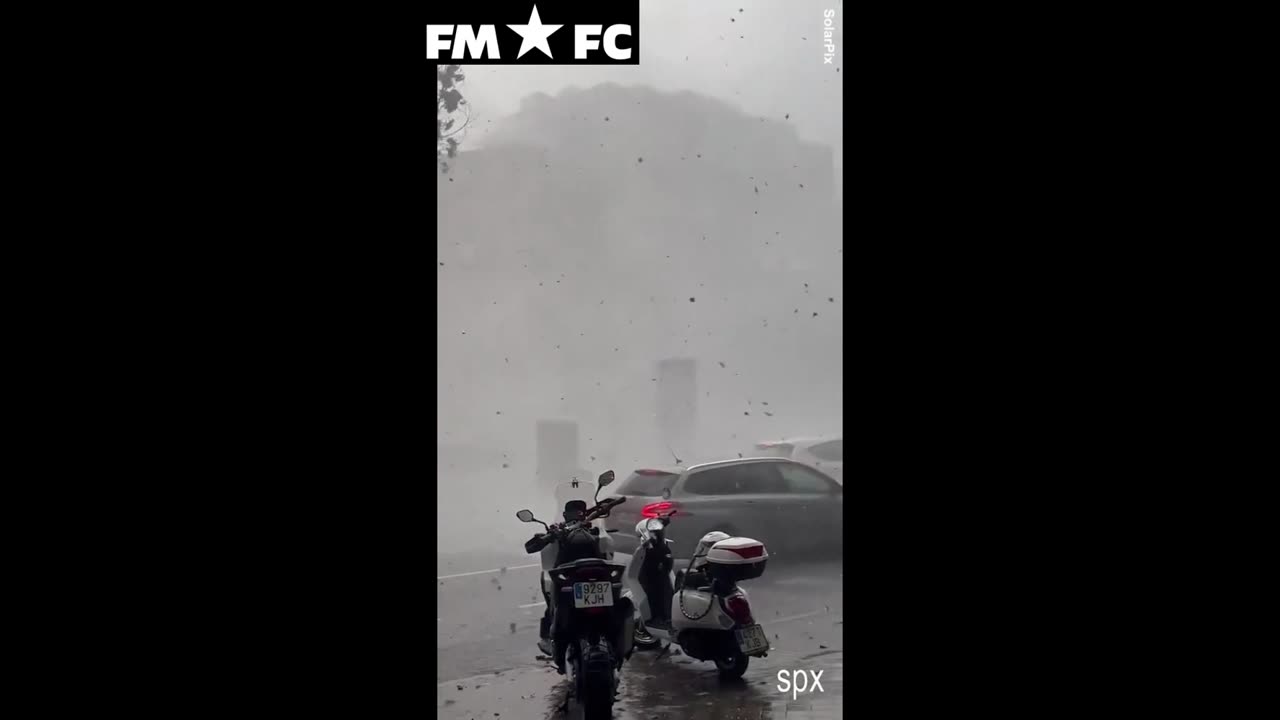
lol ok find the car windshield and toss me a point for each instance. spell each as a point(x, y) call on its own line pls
point(647, 483)
point(741, 479)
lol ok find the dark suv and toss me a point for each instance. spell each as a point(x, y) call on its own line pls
point(790, 507)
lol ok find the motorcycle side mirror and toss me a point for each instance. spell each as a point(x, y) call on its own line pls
point(605, 478)
point(525, 516)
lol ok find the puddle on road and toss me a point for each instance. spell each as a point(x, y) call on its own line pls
point(678, 687)
point(674, 687)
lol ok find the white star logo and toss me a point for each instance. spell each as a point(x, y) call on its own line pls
point(534, 35)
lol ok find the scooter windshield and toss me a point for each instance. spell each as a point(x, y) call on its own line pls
point(573, 489)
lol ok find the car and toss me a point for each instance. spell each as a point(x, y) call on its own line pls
point(795, 510)
point(824, 453)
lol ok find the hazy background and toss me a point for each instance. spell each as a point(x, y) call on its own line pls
point(768, 62)
point(586, 209)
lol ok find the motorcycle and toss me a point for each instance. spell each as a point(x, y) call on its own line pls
point(567, 493)
point(592, 621)
point(700, 608)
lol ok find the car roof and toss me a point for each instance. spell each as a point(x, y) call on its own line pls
point(804, 441)
point(740, 461)
point(682, 469)
point(670, 469)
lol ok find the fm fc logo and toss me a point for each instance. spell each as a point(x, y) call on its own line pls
point(582, 33)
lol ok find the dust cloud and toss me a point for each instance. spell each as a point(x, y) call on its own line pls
point(648, 252)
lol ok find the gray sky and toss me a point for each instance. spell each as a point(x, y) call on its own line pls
point(530, 330)
point(760, 62)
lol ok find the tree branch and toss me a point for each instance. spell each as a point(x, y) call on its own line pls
point(465, 122)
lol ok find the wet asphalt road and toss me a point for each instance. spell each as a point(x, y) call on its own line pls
point(488, 664)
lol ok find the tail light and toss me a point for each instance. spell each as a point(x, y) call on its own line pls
point(754, 551)
point(595, 610)
point(782, 449)
point(653, 510)
point(739, 609)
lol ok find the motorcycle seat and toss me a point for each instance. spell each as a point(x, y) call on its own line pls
point(580, 564)
point(587, 568)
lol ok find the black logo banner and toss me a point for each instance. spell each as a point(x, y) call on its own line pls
point(535, 32)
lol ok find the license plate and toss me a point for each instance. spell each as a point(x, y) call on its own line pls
point(592, 594)
point(751, 639)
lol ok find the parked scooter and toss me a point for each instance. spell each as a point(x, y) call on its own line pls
point(593, 622)
point(701, 608)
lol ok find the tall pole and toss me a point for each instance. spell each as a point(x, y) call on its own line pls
point(677, 403)
point(557, 451)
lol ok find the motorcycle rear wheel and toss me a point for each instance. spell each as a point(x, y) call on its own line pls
point(598, 705)
point(595, 692)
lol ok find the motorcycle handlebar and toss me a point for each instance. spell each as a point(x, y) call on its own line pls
point(604, 507)
point(556, 529)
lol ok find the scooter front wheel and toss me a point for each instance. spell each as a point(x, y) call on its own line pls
point(731, 664)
